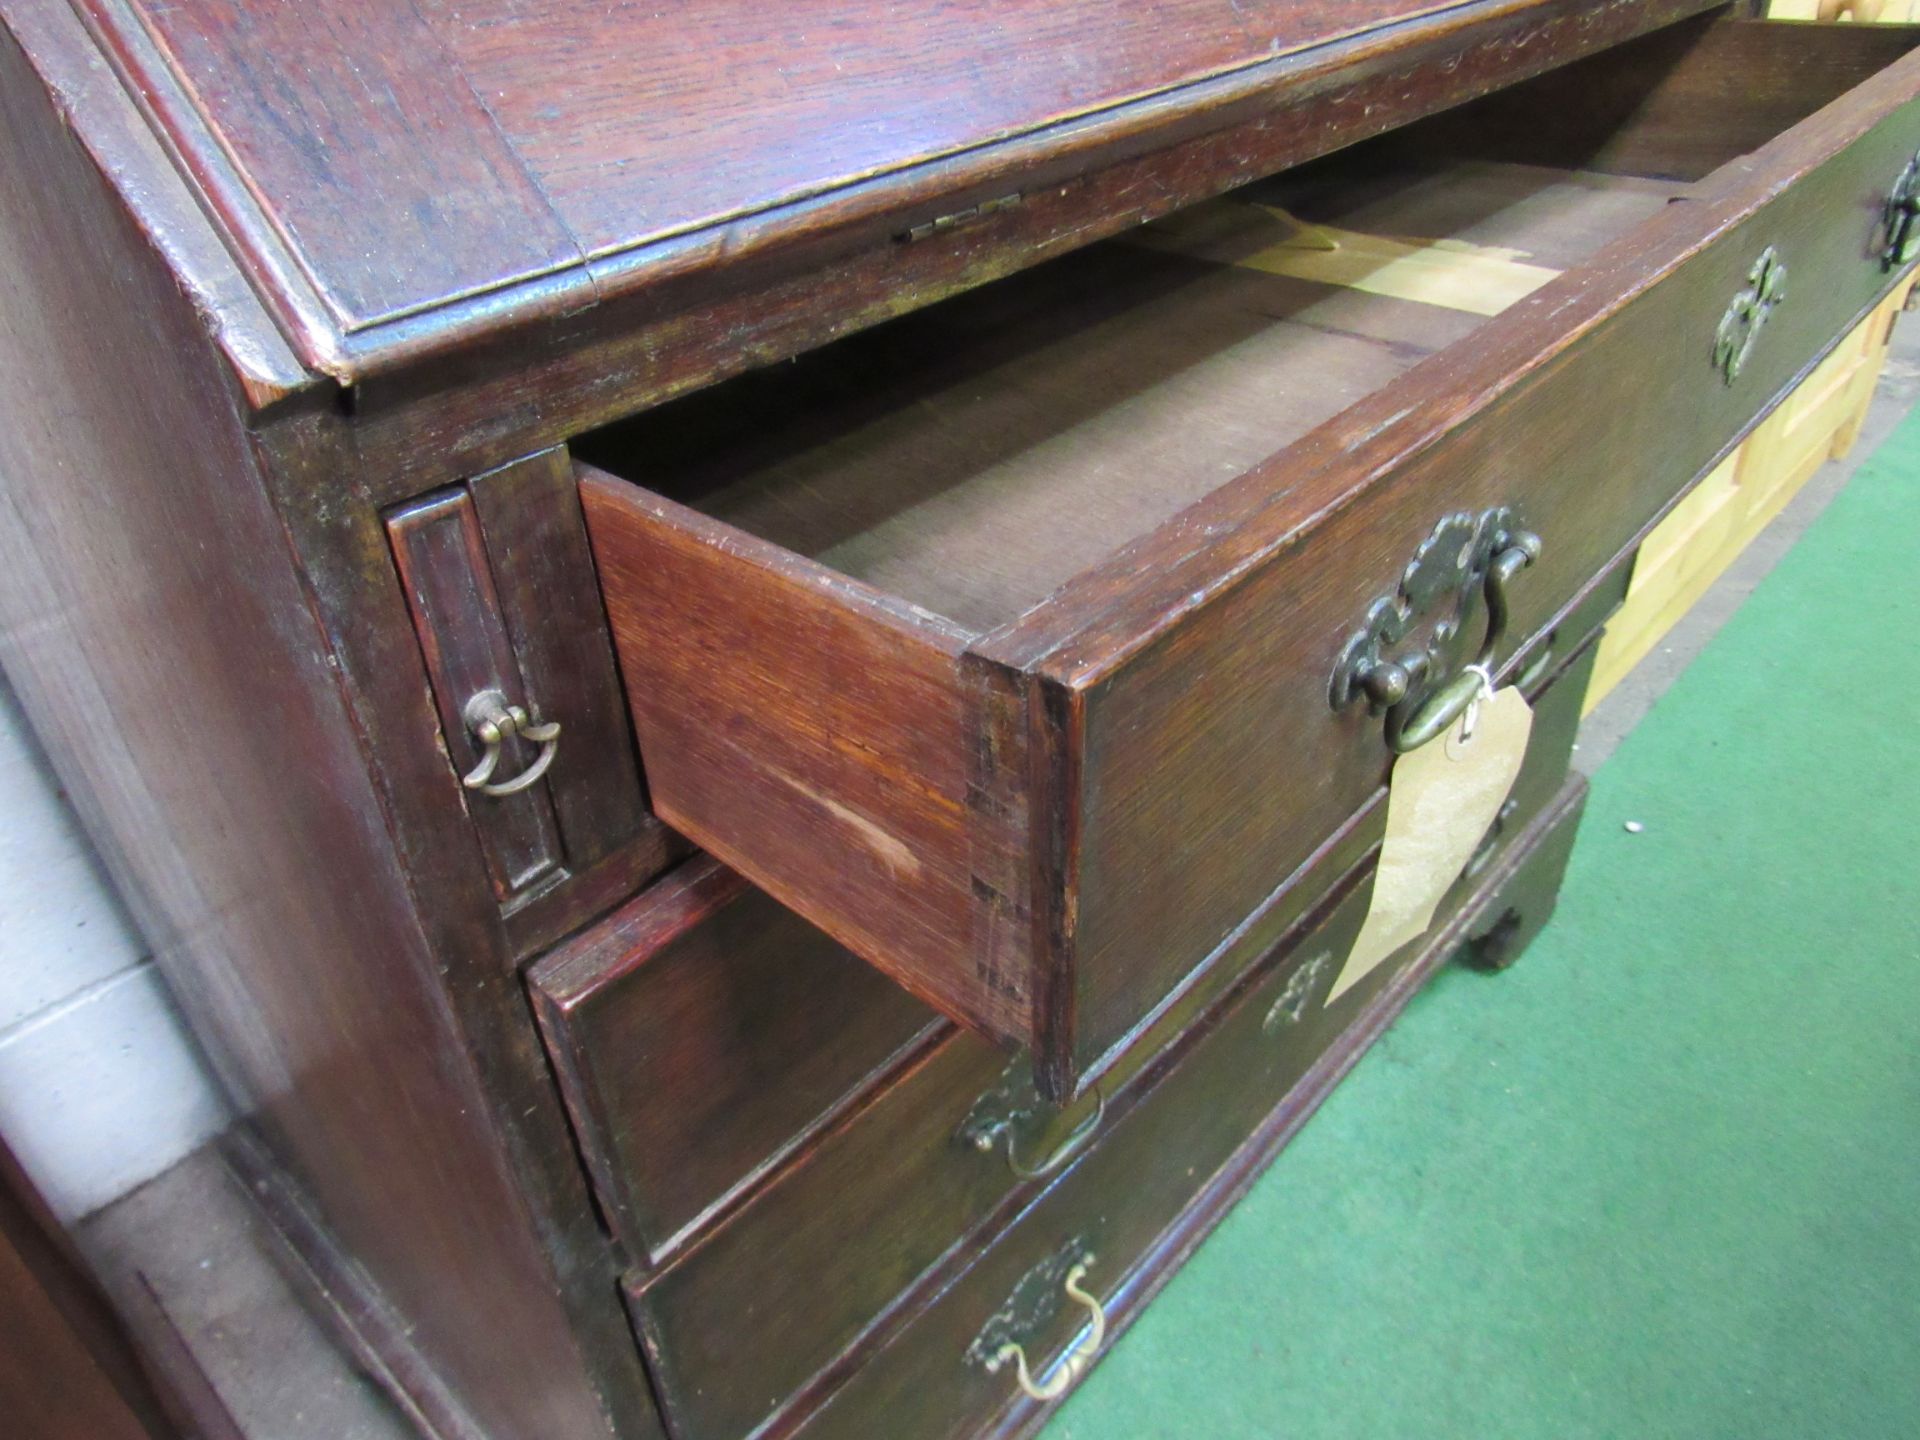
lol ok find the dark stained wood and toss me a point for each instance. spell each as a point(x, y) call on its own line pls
point(318, 480)
point(736, 110)
point(463, 638)
point(596, 151)
point(741, 1320)
point(346, 558)
point(702, 326)
point(1164, 711)
point(579, 897)
point(268, 278)
point(68, 1370)
point(1061, 413)
point(703, 1034)
point(333, 120)
point(1219, 1111)
point(501, 587)
point(1681, 102)
point(1499, 934)
point(758, 1304)
point(164, 643)
point(253, 352)
point(536, 544)
point(1540, 427)
point(973, 458)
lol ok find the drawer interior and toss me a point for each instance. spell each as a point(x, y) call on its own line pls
point(949, 633)
point(973, 458)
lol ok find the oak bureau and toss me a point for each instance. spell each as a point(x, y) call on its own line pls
point(744, 659)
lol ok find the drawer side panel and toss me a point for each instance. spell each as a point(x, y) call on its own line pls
point(807, 733)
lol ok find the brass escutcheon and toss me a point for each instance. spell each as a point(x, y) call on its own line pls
point(1748, 312)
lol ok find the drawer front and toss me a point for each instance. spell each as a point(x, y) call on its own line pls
point(1198, 727)
point(499, 581)
point(744, 1318)
point(1168, 1170)
point(741, 1320)
point(701, 1034)
point(1182, 709)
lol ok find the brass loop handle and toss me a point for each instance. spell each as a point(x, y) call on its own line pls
point(1072, 1365)
point(495, 722)
point(1439, 710)
point(1064, 1152)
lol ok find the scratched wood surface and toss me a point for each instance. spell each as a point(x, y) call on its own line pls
point(974, 458)
point(441, 171)
point(167, 651)
point(1170, 570)
point(878, 1201)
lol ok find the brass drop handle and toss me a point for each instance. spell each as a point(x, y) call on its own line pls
point(983, 1140)
point(1081, 1354)
point(494, 722)
point(1900, 221)
point(1433, 716)
point(1397, 659)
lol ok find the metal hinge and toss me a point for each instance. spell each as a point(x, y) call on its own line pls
point(940, 224)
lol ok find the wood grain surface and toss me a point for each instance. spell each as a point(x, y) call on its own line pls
point(974, 458)
point(764, 1299)
point(158, 631)
point(421, 177)
point(1170, 741)
point(69, 1369)
point(1155, 702)
point(1052, 749)
point(1211, 1120)
point(704, 1034)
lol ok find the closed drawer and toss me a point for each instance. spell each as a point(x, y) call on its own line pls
point(701, 1034)
point(1165, 1174)
point(949, 635)
point(499, 585)
point(739, 1321)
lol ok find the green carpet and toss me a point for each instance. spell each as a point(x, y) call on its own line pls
point(1662, 1178)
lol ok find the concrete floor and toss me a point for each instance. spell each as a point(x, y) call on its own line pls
point(189, 1251)
point(190, 1246)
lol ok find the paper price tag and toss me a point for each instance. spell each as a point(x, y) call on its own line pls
point(1440, 801)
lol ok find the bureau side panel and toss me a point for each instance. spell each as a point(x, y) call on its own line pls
point(153, 621)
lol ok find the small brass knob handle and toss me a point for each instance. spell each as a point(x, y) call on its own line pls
point(494, 722)
point(1865, 11)
point(1080, 1355)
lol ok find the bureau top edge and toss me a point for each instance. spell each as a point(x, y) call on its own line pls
point(411, 184)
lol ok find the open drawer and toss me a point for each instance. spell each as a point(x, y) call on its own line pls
point(1029, 644)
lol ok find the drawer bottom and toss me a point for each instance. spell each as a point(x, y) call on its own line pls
point(1166, 1174)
